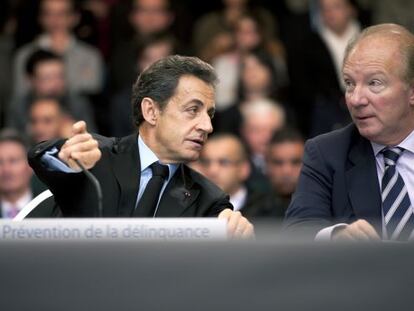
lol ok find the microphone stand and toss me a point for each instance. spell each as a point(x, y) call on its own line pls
point(96, 185)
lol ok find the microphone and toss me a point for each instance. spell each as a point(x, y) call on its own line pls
point(96, 185)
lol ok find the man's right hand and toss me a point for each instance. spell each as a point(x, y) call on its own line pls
point(360, 230)
point(81, 146)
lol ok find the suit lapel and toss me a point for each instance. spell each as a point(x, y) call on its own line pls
point(179, 195)
point(362, 182)
point(126, 167)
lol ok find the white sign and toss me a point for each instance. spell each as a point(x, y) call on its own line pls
point(160, 229)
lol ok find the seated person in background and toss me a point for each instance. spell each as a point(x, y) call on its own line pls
point(356, 183)
point(15, 174)
point(261, 118)
point(258, 76)
point(144, 174)
point(46, 75)
point(150, 49)
point(145, 19)
point(224, 161)
point(48, 120)
point(283, 163)
point(83, 63)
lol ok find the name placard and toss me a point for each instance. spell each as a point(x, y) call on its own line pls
point(160, 229)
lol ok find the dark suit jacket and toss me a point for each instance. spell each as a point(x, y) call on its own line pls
point(188, 194)
point(338, 183)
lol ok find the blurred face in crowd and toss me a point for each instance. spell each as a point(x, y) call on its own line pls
point(283, 164)
point(247, 34)
point(223, 163)
point(15, 172)
point(151, 16)
point(255, 76)
point(154, 52)
point(181, 128)
point(57, 16)
point(45, 120)
point(258, 128)
point(48, 78)
point(336, 14)
point(379, 99)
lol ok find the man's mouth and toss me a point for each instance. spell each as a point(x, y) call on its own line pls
point(197, 142)
point(363, 118)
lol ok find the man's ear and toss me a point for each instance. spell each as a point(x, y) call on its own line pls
point(150, 110)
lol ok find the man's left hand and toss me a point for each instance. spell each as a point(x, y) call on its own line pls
point(237, 225)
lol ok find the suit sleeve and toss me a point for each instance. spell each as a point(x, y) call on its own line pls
point(311, 207)
point(220, 205)
point(67, 188)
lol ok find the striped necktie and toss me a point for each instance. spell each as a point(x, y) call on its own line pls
point(396, 205)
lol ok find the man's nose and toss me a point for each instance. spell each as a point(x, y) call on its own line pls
point(205, 124)
point(357, 97)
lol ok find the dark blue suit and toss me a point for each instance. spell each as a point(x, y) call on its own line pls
point(338, 183)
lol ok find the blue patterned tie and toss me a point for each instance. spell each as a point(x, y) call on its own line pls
point(396, 205)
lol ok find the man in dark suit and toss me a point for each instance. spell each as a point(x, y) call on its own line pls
point(173, 103)
point(357, 183)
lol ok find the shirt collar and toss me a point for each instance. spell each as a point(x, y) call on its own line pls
point(147, 157)
point(407, 144)
point(20, 203)
point(44, 42)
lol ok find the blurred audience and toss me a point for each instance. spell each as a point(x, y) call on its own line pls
point(213, 32)
point(46, 76)
point(146, 18)
point(283, 163)
point(83, 63)
point(15, 174)
point(317, 90)
point(151, 49)
point(7, 28)
point(258, 76)
point(250, 36)
point(261, 118)
point(48, 120)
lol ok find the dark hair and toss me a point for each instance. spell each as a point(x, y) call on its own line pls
point(159, 81)
point(266, 60)
point(154, 39)
point(243, 154)
point(40, 56)
point(11, 135)
point(57, 100)
point(286, 134)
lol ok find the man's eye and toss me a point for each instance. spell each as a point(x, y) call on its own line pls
point(348, 85)
point(192, 110)
point(376, 85)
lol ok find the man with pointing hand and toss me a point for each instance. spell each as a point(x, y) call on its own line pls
point(144, 174)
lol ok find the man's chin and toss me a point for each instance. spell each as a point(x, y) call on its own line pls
point(190, 156)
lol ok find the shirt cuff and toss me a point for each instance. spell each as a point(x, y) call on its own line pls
point(52, 163)
point(326, 233)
